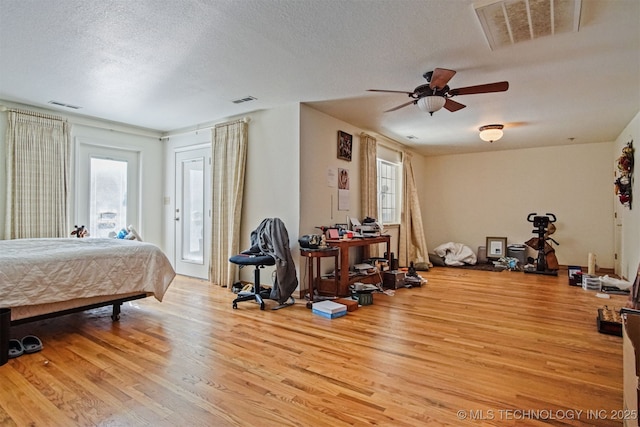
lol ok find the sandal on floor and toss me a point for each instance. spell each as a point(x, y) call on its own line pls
point(31, 344)
point(15, 349)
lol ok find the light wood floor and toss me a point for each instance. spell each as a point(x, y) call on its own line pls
point(505, 347)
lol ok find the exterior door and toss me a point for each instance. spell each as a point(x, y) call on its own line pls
point(107, 189)
point(192, 214)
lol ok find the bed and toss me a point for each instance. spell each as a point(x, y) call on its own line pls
point(48, 277)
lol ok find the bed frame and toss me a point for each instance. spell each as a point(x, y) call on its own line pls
point(115, 316)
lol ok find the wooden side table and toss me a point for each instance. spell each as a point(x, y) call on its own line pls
point(344, 245)
point(318, 254)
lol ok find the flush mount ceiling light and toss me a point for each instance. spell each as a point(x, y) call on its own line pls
point(491, 133)
point(431, 103)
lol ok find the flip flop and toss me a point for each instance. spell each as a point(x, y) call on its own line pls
point(31, 344)
point(15, 348)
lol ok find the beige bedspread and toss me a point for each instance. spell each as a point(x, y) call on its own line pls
point(41, 271)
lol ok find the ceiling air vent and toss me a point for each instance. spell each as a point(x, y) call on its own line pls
point(245, 99)
point(62, 104)
point(508, 22)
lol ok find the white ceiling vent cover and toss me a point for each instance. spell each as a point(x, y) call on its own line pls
point(245, 99)
point(508, 22)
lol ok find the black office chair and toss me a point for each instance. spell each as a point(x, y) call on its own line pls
point(259, 260)
point(269, 246)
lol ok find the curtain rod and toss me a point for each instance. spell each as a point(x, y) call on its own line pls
point(32, 113)
point(185, 131)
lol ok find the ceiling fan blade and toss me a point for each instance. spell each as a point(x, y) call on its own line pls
point(452, 105)
point(401, 106)
point(486, 88)
point(390, 91)
point(440, 78)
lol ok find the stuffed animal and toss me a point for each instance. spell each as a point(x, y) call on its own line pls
point(128, 233)
point(80, 232)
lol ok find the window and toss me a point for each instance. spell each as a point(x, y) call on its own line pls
point(389, 191)
point(106, 189)
point(192, 210)
point(107, 196)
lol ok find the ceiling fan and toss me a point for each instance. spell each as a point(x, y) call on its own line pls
point(436, 94)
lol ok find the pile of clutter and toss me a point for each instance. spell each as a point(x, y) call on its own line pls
point(592, 282)
point(508, 263)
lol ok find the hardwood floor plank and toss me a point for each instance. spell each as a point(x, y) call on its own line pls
point(492, 345)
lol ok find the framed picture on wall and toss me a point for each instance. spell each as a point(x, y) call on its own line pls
point(345, 143)
point(496, 247)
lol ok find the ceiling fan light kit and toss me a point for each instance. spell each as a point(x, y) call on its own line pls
point(437, 94)
point(491, 133)
point(431, 104)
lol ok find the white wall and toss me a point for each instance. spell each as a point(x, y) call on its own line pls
point(319, 149)
point(472, 196)
point(629, 218)
point(273, 170)
point(146, 142)
point(272, 177)
point(319, 201)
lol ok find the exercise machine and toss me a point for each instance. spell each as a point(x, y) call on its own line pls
point(544, 227)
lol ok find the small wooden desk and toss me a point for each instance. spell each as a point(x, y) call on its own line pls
point(344, 245)
point(318, 254)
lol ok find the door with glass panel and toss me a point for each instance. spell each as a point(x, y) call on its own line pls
point(192, 214)
point(107, 184)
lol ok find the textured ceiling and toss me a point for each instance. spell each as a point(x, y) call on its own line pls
point(174, 64)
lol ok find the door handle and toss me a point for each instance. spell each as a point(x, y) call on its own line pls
point(177, 218)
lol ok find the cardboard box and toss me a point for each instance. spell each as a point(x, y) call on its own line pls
point(352, 305)
point(329, 306)
point(393, 279)
point(328, 315)
point(609, 322)
point(329, 309)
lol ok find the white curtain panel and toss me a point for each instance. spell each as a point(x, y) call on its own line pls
point(229, 149)
point(413, 245)
point(38, 157)
point(369, 181)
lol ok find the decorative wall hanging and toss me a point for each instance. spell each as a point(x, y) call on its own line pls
point(344, 145)
point(624, 180)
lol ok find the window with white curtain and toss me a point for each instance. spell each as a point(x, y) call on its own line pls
point(389, 185)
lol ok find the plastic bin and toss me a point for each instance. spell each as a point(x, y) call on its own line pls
point(590, 282)
point(518, 252)
point(482, 254)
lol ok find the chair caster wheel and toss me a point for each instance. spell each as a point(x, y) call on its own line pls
point(261, 306)
point(235, 306)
